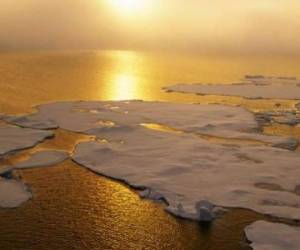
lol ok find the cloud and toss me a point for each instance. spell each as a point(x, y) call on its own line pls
point(262, 26)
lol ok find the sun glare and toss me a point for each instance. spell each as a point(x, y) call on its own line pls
point(129, 6)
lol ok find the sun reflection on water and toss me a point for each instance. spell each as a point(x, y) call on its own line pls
point(124, 82)
point(124, 87)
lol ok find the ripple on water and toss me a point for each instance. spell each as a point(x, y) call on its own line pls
point(73, 208)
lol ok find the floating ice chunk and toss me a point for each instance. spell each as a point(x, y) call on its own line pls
point(71, 116)
point(291, 118)
point(290, 144)
point(271, 80)
point(273, 236)
point(12, 193)
point(15, 138)
point(27, 122)
point(43, 159)
point(205, 210)
point(253, 87)
point(185, 169)
point(215, 120)
point(150, 194)
point(254, 77)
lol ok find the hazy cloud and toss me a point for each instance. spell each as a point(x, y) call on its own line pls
point(243, 26)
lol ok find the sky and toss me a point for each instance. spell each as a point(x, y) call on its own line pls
point(256, 26)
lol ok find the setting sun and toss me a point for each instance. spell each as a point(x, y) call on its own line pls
point(129, 6)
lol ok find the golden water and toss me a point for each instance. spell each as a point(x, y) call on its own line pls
point(73, 208)
point(28, 78)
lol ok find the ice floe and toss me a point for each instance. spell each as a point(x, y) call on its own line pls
point(273, 236)
point(14, 138)
point(253, 87)
point(291, 118)
point(97, 117)
point(31, 123)
point(185, 170)
point(194, 175)
point(12, 193)
point(43, 159)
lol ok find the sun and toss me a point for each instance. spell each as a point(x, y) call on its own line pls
point(129, 6)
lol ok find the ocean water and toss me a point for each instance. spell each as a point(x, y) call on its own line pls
point(30, 78)
point(73, 208)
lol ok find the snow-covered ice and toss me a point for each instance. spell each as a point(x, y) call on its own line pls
point(31, 123)
point(194, 175)
point(14, 138)
point(273, 236)
point(253, 87)
point(291, 118)
point(12, 193)
point(97, 117)
point(185, 169)
point(43, 159)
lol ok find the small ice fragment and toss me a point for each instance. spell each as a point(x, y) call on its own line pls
point(254, 77)
point(290, 144)
point(253, 87)
point(13, 193)
point(28, 122)
point(205, 211)
point(273, 236)
point(43, 159)
point(14, 138)
point(150, 194)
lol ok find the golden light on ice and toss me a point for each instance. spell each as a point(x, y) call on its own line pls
point(129, 6)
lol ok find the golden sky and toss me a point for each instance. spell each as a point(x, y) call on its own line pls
point(262, 26)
